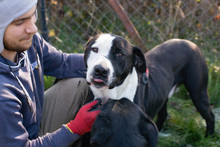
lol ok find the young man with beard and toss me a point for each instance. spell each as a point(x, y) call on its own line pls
point(25, 57)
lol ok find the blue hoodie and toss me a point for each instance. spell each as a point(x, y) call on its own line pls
point(20, 120)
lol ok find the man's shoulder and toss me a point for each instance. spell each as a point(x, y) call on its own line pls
point(38, 42)
point(38, 36)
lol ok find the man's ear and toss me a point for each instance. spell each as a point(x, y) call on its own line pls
point(139, 60)
point(148, 129)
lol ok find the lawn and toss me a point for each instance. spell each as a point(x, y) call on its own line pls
point(185, 127)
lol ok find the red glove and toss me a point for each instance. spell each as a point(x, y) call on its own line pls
point(84, 119)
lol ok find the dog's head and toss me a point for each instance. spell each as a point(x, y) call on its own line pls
point(109, 59)
point(122, 123)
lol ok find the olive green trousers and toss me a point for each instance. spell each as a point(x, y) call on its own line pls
point(61, 103)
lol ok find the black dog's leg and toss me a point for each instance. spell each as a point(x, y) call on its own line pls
point(196, 84)
point(201, 102)
point(162, 116)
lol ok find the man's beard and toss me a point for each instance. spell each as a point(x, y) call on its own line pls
point(10, 46)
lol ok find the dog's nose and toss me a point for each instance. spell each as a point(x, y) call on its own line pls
point(101, 71)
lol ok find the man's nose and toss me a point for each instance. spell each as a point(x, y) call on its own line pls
point(31, 27)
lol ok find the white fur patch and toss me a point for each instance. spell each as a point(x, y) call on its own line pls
point(104, 44)
point(127, 89)
point(172, 91)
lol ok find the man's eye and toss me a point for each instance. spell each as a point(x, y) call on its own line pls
point(18, 23)
point(95, 49)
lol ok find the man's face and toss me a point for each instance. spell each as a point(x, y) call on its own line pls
point(19, 33)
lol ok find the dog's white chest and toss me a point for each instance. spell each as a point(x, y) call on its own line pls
point(127, 89)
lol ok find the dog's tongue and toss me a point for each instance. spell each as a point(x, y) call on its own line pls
point(98, 80)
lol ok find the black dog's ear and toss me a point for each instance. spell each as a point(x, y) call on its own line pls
point(139, 60)
point(101, 131)
point(149, 130)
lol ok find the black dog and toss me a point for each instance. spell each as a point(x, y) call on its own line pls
point(121, 123)
point(114, 66)
point(172, 63)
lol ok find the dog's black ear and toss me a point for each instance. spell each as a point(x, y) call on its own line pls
point(148, 129)
point(101, 131)
point(139, 60)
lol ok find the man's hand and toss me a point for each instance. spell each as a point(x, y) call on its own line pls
point(85, 118)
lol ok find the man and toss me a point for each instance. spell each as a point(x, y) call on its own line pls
point(24, 58)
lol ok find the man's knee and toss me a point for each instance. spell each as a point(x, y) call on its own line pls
point(69, 87)
point(62, 101)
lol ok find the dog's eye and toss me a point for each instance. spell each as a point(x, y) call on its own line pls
point(119, 54)
point(95, 49)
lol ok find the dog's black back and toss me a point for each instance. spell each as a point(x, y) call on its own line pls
point(171, 63)
point(122, 123)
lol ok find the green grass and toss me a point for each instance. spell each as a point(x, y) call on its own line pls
point(48, 82)
point(185, 126)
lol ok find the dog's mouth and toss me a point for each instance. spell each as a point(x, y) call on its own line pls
point(98, 83)
point(101, 83)
point(101, 77)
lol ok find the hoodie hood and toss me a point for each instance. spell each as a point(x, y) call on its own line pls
point(4, 68)
point(9, 10)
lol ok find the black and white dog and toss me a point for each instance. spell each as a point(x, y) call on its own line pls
point(113, 65)
point(116, 69)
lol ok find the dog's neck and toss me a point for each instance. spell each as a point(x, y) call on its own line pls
point(126, 89)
